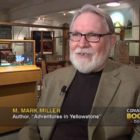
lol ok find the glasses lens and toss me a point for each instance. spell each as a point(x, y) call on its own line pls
point(75, 36)
point(92, 37)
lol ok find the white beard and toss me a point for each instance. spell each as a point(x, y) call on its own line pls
point(85, 65)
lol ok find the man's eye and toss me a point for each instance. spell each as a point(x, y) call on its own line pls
point(76, 34)
point(93, 35)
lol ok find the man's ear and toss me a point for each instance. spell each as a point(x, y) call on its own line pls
point(113, 40)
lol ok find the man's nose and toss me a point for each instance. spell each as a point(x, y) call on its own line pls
point(83, 42)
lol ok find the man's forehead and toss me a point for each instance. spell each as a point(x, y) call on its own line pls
point(88, 22)
point(89, 19)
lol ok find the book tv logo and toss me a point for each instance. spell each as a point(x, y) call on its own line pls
point(133, 115)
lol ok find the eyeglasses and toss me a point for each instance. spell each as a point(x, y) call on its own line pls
point(91, 37)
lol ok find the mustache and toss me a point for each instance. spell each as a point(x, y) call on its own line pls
point(84, 50)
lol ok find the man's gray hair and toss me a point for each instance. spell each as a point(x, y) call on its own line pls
point(95, 10)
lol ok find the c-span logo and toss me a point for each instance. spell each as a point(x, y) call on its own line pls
point(133, 115)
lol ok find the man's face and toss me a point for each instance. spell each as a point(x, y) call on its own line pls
point(89, 56)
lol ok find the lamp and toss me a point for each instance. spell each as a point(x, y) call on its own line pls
point(113, 4)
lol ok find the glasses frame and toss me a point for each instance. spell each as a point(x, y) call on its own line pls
point(98, 35)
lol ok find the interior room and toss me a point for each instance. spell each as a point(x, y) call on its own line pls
point(34, 41)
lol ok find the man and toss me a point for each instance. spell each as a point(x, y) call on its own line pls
point(95, 86)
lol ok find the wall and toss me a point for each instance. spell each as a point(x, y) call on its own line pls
point(19, 33)
point(129, 12)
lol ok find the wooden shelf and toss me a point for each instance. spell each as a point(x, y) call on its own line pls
point(17, 89)
point(19, 74)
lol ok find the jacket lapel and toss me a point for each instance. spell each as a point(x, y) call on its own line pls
point(104, 96)
point(66, 82)
point(57, 100)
